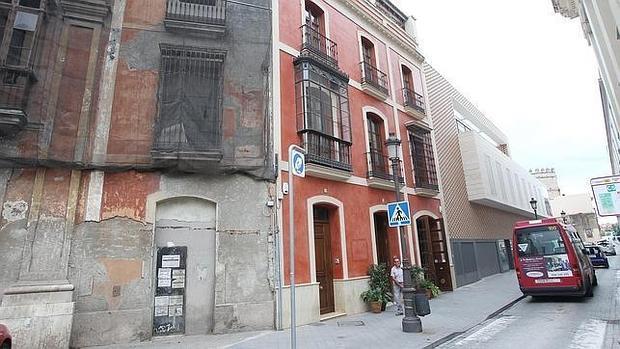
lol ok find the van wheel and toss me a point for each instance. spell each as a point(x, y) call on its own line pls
point(589, 289)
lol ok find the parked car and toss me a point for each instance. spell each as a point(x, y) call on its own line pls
point(607, 247)
point(5, 337)
point(597, 256)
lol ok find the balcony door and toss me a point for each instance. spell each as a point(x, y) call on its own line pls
point(378, 161)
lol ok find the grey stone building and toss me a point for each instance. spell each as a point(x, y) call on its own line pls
point(137, 161)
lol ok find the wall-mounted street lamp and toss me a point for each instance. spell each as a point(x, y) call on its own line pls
point(411, 322)
point(534, 205)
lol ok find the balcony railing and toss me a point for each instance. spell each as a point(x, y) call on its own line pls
point(374, 77)
point(328, 151)
point(379, 167)
point(211, 12)
point(413, 100)
point(425, 184)
point(316, 43)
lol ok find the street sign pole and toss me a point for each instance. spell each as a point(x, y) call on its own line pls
point(296, 167)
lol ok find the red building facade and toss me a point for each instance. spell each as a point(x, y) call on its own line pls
point(347, 74)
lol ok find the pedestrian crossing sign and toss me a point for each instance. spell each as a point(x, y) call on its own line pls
point(398, 214)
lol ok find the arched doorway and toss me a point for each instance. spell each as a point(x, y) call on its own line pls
point(434, 251)
point(382, 241)
point(184, 282)
point(323, 216)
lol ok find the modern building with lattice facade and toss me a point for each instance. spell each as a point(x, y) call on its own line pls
point(484, 191)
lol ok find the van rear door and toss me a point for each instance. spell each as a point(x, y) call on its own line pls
point(543, 257)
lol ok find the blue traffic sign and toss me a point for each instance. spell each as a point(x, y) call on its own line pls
point(298, 163)
point(398, 214)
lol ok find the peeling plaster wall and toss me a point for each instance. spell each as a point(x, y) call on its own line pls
point(12, 231)
point(244, 294)
point(110, 266)
point(119, 251)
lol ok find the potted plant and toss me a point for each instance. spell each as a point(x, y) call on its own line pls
point(379, 279)
point(374, 297)
point(417, 276)
point(431, 289)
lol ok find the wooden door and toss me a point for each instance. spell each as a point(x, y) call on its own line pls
point(426, 249)
point(381, 239)
point(323, 258)
point(441, 258)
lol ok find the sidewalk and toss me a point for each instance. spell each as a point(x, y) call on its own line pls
point(452, 312)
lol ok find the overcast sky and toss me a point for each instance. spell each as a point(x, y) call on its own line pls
point(528, 70)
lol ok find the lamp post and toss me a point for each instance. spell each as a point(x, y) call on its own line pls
point(563, 214)
point(411, 322)
point(534, 205)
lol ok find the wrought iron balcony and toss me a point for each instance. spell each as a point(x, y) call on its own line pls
point(379, 168)
point(318, 45)
point(206, 16)
point(327, 150)
point(414, 101)
point(374, 81)
point(14, 89)
point(378, 165)
point(423, 183)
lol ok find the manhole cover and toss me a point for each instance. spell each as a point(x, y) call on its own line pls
point(351, 323)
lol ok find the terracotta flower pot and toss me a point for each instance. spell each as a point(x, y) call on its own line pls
point(429, 294)
point(375, 307)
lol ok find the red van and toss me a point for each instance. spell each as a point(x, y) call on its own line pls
point(550, 259)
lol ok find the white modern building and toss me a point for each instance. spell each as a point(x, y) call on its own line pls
point(484, 191)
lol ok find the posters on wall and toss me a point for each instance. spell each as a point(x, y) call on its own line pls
point(169, 304)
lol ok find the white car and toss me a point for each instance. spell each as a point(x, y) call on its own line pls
point(607, 247)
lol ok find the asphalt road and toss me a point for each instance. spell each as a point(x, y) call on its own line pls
point(557, 322)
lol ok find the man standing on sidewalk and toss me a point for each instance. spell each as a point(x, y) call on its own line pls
point(397, 285)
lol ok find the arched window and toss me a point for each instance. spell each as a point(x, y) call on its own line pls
point(314, 17)
point(407, 78)
point(378, 164)
point(368, 52)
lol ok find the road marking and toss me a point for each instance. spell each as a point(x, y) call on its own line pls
point(247, 339)
point(487, 331)
point(590, 335)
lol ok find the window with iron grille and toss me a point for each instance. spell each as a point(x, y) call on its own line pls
point(190, 99)
point(322, 103)
point(425, 172)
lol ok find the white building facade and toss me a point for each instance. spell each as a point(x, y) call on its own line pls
point(484, 191)
point(600, 20)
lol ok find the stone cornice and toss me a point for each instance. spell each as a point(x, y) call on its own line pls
point(88, 10)
point(379, 22)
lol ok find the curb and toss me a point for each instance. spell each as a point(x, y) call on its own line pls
point(453, 335)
